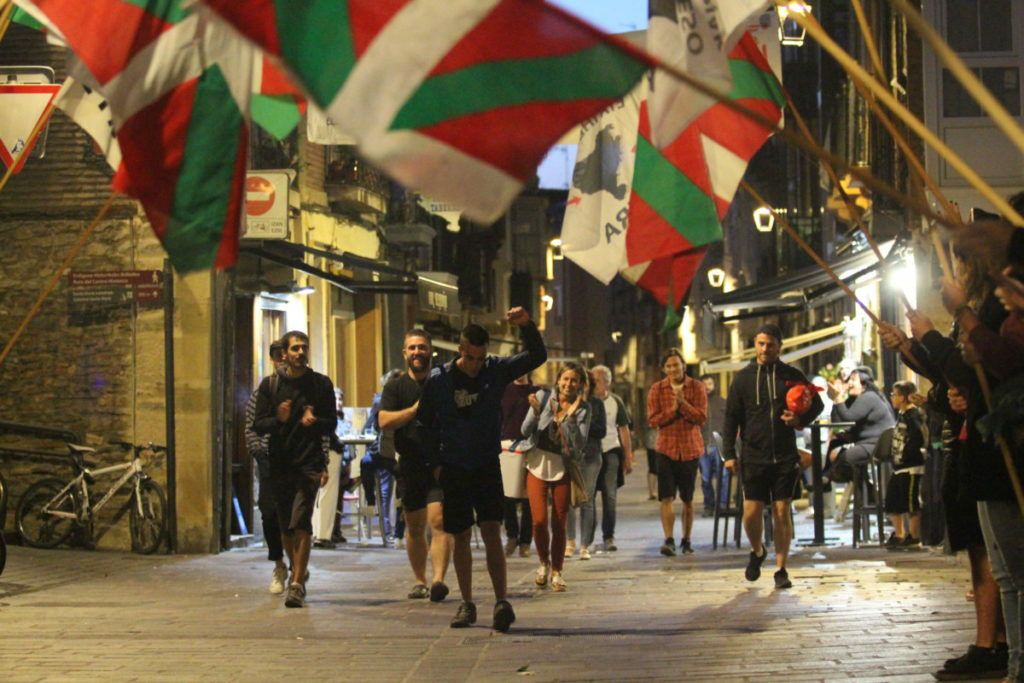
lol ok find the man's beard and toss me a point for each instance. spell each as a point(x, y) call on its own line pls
point(417, 364)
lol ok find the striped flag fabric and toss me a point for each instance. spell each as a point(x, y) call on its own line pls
point(682, 191)
point(178, 90)
point(696, 38)
point(458, 99)
point(676, 196)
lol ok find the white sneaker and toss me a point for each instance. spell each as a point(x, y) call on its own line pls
point(543, 574)
point(584, 553)
point(557, 582)
point(277, 580)
point(570, 548)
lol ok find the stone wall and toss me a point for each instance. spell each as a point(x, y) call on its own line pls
point(103, 374)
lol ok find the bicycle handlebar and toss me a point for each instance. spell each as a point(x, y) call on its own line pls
point(140, 447)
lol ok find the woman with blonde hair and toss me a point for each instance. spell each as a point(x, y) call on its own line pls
point(556, 431)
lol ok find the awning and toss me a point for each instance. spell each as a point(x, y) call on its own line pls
point(293, 255)
point(796, 354)
point(806, 288)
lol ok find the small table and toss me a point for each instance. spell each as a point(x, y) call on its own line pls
point(818, 493)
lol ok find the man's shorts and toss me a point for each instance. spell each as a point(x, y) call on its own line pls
point(472, 496)
point(416, 484)
point(294, 492)
point(676, 475)
point(903, 494)
point(770, 481)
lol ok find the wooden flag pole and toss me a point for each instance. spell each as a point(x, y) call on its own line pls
point(850, 206)
point(6, 13)
point(857, 72)
point(72, 253)
point(810, 148)
point(869, 38)
point(956, 66)
point(809, 251)
point(908, 152)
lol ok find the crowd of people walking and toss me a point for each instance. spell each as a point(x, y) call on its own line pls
point(477, 443)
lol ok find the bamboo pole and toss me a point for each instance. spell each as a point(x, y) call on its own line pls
point(908, 152)
point(975, 87)
point(6, 12)
point(808, 147)
point(869, 38)
point(28, 143)
point(831, 172)
point(856, 71)
point(76, 248)
point(808, 250)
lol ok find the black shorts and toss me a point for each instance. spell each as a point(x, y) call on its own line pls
point(294, 492)
point(472, 496)
point(903, 493)
point(416, 484)
point(765, 482)
point(676, 475)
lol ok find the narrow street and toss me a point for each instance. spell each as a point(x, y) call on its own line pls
point(627, 616)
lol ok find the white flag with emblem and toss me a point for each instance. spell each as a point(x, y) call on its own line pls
point(596, 213)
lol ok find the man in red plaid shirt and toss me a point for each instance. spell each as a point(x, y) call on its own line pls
point(677, 406)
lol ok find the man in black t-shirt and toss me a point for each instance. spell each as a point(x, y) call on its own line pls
point(419, 490)
point(296, 409)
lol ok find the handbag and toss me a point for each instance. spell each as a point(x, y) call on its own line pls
point(579, 487)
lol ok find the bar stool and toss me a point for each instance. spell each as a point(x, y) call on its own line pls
point(864, 504)
point(733, 511)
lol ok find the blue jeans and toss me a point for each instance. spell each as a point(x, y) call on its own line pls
point(609, 491)
point(710, 467)
point(591, 467)
point(1004, 539)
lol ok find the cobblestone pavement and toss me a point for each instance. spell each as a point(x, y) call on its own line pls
point(628, 616)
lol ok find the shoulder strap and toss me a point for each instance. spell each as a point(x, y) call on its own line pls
point(274, 381)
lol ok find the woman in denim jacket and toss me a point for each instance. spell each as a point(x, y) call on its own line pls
point(556, 430)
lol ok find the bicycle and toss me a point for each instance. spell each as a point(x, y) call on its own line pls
point(52, 509)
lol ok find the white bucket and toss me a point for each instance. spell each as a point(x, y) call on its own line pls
point(513, 473)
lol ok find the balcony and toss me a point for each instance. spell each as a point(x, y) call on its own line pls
point(353, 186)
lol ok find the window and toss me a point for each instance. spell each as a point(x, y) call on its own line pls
point(1002, 82)
point(979, 25)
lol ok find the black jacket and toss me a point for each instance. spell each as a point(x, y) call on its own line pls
point(753, 408)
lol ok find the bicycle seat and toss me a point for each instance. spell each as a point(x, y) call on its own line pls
point(80, 450)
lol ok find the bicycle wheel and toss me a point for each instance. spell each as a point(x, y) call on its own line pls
point(3, 503)
point(3, 552)
point(40, 529)
point(147, 517)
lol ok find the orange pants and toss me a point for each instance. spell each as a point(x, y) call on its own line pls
point(550, 548)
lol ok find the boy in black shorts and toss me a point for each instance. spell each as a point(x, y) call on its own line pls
point(903, 496)
point(756, 409)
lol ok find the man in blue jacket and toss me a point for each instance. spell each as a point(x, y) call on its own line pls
point(460, 413)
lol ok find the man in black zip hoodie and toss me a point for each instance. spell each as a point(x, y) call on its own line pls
point(756, 408)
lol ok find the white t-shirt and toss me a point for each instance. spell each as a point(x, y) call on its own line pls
point(611, 414)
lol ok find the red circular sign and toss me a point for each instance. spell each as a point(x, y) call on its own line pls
point(259, 195)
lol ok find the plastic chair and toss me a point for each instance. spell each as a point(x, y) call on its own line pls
point(866, 505)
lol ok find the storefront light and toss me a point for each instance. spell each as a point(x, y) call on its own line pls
point(790, 32)
point(716, 277)
point(556, 249)
point(764, 219)
point(549, 302)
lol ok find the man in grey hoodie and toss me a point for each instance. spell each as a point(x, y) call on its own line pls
point(756, 409)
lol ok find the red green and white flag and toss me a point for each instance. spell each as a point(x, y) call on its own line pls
point(458, 99)
point(682, 191)
point(178, 90)
point(695, 38)
point(677, 195)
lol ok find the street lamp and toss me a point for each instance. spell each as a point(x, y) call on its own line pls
point(790, 32)
point(764, 219)
point(549, 301)
point(716, 277)
point(556, 249)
